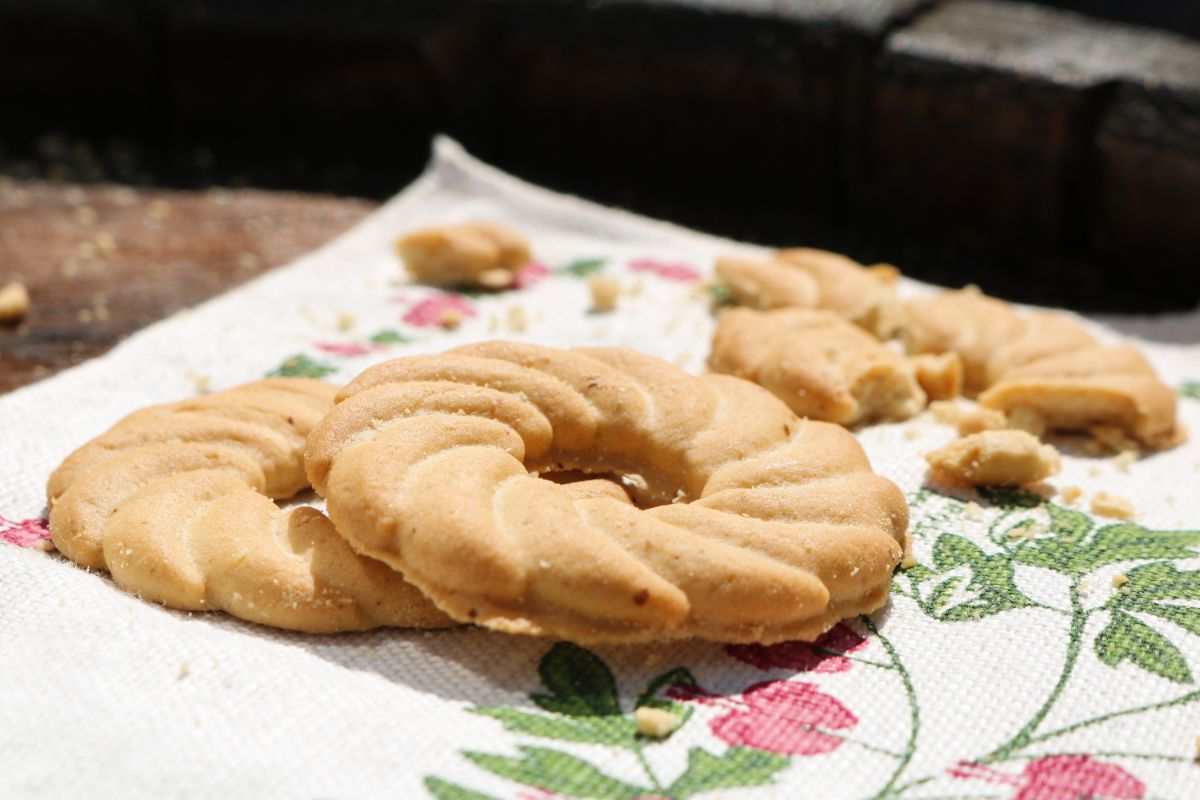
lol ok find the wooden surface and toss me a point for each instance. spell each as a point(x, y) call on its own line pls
point(100, 262)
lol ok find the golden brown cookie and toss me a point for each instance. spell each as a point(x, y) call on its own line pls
point(941, 375)
point(763, 527)
point(482, 254)
point(1045, 370)
point(822, 366)
point(174, 501)
point(849, 289)
point(994, 458)
point(765, 284)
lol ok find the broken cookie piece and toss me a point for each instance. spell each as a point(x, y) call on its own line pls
point(994, 458)
point(940, 375)
point(14, 302)
point(818, 363)
point(481, 254)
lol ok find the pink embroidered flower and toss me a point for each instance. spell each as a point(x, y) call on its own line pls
point(531, 274)
point(345, 349)
point(778, 716)
point(25, 533)
point(1065, 777)
point(668, 270)
point(435, 308)
point(819, 656)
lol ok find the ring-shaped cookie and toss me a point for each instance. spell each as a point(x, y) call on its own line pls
point(175, 501)
point(766, 527)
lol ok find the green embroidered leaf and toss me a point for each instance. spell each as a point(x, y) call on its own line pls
point(444, 790)
point(1161, 581)
point(1127, 541)
point(390, 336)
point(583, 267)
point(918, 573)
point(580, 684)
point(1185, 617)
point(1010, 498)
point(952, 550)
point(991, 582)
point(1151, 583)
point(556, 771)
point(737, 767)
point(941, 596)
point(1068, 525)
point(302, 366)
point(1191, 389)
point(618, 731)
point(1047, 553)
point(1126, 637)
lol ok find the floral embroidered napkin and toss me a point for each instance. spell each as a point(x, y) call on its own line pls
point(1036, 651)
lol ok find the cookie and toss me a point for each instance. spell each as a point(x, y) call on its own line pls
point(1044, 370)
point(802, 277)
point(822, 366)
point(764, 284)
point(866, 298)
point(480, 254)
point(994, 458)
point(175, 502)
point(940, 376)
point(751, 525)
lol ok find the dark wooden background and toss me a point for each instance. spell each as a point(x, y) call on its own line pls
point(1044, 155)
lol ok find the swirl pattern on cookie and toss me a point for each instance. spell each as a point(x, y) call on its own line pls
point(766, 527)
point(175, 501)
point(1047, 366)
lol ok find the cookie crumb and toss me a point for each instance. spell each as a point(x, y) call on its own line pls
point(994, 458)
point(493, 323)
point(14, 302)
point(184, 671)
point(909, 560)
point(105, 243)
point(1111, 505)
point(605, 291)
point(655, 722)
point(1120, 580)
point(516, 320)
point(1071, 494)
point(85, 316)
point(940, 376)
point(345, 321)
point(1123, 460)
point(973, 510)
point(496, 278)
point(911, 433)
point(450, 319)
point(200, 382)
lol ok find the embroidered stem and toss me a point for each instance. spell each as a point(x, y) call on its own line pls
point(1074, 645)
point(910, 746)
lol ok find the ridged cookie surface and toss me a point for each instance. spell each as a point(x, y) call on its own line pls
point(175, 501)
point(767, 527)
point(1045, 365)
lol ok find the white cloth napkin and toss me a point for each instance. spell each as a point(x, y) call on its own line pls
point(1007, 664)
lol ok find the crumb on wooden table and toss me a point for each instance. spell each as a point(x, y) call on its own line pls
point(14, 302)
point(1112, 505)
point(605, 290)
point(655, 722)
